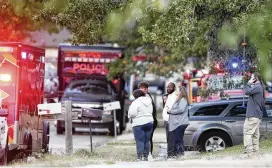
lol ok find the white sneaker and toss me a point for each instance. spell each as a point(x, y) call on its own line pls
point(150, 157)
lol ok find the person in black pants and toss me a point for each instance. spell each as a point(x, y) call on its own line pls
point(144, 87)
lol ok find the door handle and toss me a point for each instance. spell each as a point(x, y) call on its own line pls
point(230, 121)
point(269, 121)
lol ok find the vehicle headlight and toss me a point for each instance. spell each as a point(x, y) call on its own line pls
point(107, 112)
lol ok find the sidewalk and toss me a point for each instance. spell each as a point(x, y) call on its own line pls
point(265, 161)
point(188, 161)
point(159, 140)
point(161, 151)
point(158, 137)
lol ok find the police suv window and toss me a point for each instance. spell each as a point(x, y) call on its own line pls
point(213, 110)
point(237, 111)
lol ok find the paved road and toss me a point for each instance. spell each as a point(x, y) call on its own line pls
point(265, 161)
point(81, 139)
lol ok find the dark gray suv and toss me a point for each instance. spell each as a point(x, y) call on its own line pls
point(219, 124)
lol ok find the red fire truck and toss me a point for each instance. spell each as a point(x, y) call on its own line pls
point(21, 90)
point(82, 72)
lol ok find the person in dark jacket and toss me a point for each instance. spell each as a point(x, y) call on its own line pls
point(144, 87)
point(254, 113)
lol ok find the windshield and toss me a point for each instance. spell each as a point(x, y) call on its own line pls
point(88, 89)
point(225, 82)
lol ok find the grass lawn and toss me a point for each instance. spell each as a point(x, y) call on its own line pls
point(107, 154)
point(126, 152)
point(235, 151)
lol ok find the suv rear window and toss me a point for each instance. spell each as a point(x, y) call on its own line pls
point(213, 110)
point(237, 111)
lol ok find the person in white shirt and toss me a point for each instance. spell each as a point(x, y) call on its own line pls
point(140, 111)
point(171, 98)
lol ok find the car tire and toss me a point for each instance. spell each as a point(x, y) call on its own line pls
point(213, 141)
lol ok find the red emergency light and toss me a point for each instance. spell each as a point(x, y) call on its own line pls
point(219, 67)
point(91, 54)
point(136, 58)
point(186, 75)
point(92, 60)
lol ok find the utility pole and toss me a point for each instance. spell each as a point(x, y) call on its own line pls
point(244, 64)
point(68, 128)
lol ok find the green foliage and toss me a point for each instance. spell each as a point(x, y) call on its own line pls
point(86, 19)
point(258, 27)
point(123, 27)
point(171, 31)
point(191, 27)
point(19, 17)
point(184, 28)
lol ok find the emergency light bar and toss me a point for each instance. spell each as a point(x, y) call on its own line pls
point(96, 60)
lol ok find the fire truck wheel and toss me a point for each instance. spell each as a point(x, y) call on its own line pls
point(46, 136)
point(28, 142)
point(4, 160)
